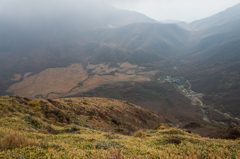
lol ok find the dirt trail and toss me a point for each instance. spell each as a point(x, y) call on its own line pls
point(196, 100)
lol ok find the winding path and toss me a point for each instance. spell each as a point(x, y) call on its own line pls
point(194, 98)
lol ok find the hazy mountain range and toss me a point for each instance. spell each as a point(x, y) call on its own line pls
point(206, 52)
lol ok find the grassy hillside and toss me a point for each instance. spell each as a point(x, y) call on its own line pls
point(156, 96)
point(95, 113)
point(66, 128)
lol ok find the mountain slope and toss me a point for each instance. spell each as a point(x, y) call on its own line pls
point(54, 129)
point(211, 62)
point(69, 15)
point(214, 71)
point(144, 42)
point(137, 35)
point(98, 113)
point(224, 17)
point(158, 97)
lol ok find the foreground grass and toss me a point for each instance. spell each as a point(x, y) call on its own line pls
point(20, 138)
point(166, 143)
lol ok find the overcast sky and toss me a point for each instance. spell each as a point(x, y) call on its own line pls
point(184, 10)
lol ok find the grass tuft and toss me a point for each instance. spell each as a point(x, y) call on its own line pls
point(14, 141)
point(140, 134)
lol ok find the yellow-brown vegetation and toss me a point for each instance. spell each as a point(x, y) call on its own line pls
point(140, 134)
point(61, 130)
point(59, 82)
point(14, 140)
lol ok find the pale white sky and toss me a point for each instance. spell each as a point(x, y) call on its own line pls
point(185, 10)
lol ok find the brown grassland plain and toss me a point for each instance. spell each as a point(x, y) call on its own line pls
point(58, 82)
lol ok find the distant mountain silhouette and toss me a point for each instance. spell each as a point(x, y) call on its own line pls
point(144, 42)
point(224, 17)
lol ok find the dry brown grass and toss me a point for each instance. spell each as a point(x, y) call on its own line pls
point(59, 80)
point(140, 134)
point(43, 131)
point(62, 80)
point(14, 141)
point(114, 154)
point(16, 77)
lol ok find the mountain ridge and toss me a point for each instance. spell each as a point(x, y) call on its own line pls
point(225, 16)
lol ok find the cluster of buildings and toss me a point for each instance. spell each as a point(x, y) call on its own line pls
point(178, 82)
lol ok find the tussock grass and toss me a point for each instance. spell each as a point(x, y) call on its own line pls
point(14, 140)
point(140, 134)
